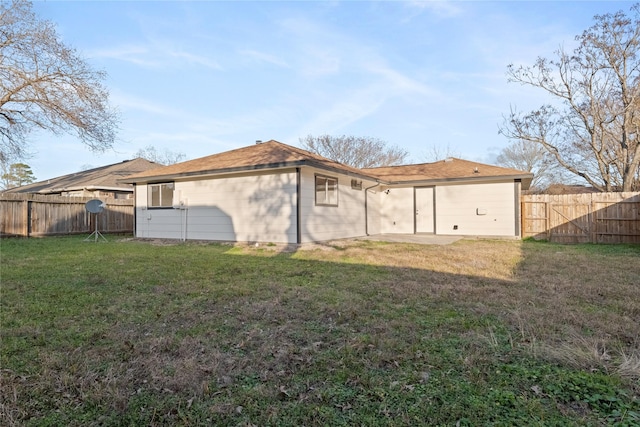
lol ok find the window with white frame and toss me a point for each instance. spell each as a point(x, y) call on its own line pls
point(326, 190)
point(160, 195)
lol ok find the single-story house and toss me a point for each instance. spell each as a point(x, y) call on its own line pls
point(97, 182)
point(273, 192)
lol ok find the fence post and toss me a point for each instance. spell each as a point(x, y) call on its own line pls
point(26, 206)
point(592, 221)
point(522, 213)
point(547, 213)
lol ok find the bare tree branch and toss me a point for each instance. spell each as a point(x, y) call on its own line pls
point(592, 127)
point(165, 158)
point(45, 84)
point(356, 151)
point(534, 158)
point(439, 152)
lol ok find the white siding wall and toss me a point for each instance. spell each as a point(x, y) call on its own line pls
point(459, 205)
point(258, 207)
point(262, 207)
point(320, 223)
point(397, 212)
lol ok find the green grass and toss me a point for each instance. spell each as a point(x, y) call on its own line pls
point(353, 333)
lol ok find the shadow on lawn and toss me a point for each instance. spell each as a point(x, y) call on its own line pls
point(367, 333)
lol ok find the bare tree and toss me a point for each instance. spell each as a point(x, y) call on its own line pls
point(356, 151)
point(593, 128)
point(47, 85)
point(534, 158)
point(165, 158)
point(438, 152)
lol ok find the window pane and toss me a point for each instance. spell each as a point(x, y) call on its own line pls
point(326, 191)
point(166, 195)
point(154, 195)
point(332, 192)
point(160, 195)
point(321, 194)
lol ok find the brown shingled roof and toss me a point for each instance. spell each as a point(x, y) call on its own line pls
point(266, 155)
point(274, 154)
point(103, 177)
point(448, 169)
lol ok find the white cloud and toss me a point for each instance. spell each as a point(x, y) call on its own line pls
point(196, 59)
point(442, 8)
point(135, 54)
point(351, 108)
point(321, 62)
point(130, 102)
point(264, 57)
point(154, 56)
point(317, 51)
point(400, 84)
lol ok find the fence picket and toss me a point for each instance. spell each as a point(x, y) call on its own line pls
point(602, 217)
point(40, 215)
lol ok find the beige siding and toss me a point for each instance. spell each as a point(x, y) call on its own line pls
point(263, 207)
point(477, 209)
point(320, 223)
point(397, 214)
point(258, 207)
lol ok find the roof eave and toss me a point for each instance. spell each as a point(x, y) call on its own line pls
point(83, 187)
point(209, 172)
point(353, 173)
point(525, 180)
point(226, 171)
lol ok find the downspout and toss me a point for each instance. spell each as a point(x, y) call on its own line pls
point(186, 220)
point(298, 209)
point(518, 210)
point(366, 208)
point(135, 206)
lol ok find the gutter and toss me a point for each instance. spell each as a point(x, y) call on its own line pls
point(85, 187)
point(298, 207)
point(525, 179)
point(231, 170)
point(435, 181)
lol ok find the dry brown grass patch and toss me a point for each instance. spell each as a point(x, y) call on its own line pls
point(213, 326)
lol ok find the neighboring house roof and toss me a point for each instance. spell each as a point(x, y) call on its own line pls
point(265, 155)
point(274, 154)
point(450, 169)
point(102, 178)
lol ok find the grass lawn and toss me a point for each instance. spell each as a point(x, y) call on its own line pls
point(353, 333)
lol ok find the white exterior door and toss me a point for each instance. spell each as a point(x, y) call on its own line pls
point(425, 212)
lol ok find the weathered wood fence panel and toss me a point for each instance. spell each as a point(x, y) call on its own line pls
point(582, 218)
point(39, 215)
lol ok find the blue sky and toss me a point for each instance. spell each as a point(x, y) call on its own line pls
point(200, 78)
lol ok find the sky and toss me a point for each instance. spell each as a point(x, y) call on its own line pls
point(203, 77)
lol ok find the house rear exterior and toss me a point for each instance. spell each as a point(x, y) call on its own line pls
point(272, 192)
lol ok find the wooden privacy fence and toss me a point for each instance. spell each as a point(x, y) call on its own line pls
point(582, 218)
point(38, 215)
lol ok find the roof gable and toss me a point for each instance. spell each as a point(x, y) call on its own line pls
point(451, 168)
point(266, 155)
point(274, 155)
point(104, 177)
